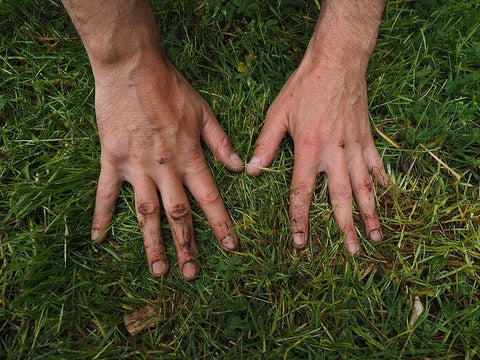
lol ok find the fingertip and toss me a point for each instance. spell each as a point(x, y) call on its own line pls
point(299, 240)
point(159, 268)
point(218, 142)
point(98, 234)
point(190, 270)
point(254, 166)
point(267, 143)
point(229, 243)
point(351, 243)
point(376, 235)
point(235, 163)
point(353, 247)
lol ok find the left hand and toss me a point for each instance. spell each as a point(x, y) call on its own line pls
point(323, 106)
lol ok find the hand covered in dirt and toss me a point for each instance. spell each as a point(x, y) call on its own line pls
point(323, 106)
point(150, 122)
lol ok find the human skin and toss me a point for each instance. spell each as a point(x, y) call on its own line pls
point(323, 106)
point(151, 121)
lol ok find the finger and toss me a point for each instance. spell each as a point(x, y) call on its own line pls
point(267, 142)
point(109, 184)
point(147, 207)
point(179, 217)
point(374, 162)
point(364, 197)
point(204, 190)
point(218, 142)
point(340, 192)
point(303, 182)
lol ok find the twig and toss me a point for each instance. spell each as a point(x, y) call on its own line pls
point(453, 172)
point(372, 324)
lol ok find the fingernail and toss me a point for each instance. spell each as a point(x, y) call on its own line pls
point(159, 267)
point(236, 160)
point(190, 270)
point(95, 234)
point(299, 240)
point(229, 243)
point(353, 248)
point(376, 235)
point(255, 161)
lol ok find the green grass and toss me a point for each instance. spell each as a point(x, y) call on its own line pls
point(62, 296)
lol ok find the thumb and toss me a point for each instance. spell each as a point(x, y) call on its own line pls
point(218, 142)
point(267, 143)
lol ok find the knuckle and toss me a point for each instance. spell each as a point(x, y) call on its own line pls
point(146, 208)
point(192, 153)
point(272, 111)
point(179, 212)
point(365, 185)
point(311, 143)
point(300, 190)
point(105, 192)
point(343, 194)
point(113, 153)
point(190, 146)
point(209, 197)
point(224, 141)
point(162, 158)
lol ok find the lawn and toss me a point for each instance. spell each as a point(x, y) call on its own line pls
point(64, 297)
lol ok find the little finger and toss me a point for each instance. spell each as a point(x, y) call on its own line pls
point(364, 197)
point(374, 162)
point(109, 184)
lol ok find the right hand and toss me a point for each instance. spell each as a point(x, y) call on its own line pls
point(150, 122)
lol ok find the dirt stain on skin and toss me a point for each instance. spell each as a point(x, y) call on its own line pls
point(187, 235)
point(179, 213)
point(368, 186)
point(182, 229)
point(297, 211)
point(146, 209)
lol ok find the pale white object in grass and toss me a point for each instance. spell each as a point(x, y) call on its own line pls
point(416, 312)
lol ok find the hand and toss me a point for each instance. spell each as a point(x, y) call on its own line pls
point(323, 106)
point(150, 122)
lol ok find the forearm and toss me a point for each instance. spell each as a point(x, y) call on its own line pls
point(116, 32)
point(346, 31)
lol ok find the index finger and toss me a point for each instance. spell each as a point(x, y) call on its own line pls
point(204, 190)
point(109, 184)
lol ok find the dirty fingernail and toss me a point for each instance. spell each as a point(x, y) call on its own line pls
point(190, 270)
point(236, 160)
point(376, 235)
point(229, 243)
point(299, 240)
point(159, 267)
point(255, 161)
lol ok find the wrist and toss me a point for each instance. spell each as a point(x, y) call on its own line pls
point(116, 33)
point(346, 33)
